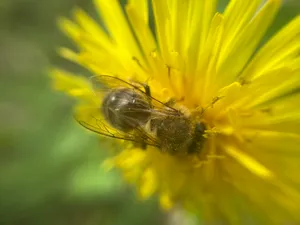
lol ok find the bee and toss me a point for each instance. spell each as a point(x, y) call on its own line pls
point(129, 112)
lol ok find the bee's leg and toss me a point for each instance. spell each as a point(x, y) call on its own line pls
point(143, 145)
point(140, 144)
point(147, 90)
point(145, 85)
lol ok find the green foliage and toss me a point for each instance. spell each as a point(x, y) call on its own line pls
point(50, 169)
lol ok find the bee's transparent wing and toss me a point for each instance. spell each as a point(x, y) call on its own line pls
point(104, 83)
point(91, 119)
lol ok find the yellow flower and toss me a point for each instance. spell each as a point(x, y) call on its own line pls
point(249, 166)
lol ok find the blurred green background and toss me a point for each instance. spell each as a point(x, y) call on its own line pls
point(49, 166)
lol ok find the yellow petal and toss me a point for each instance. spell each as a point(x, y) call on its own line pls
point(76, 86)
point(278, 151)
point(245, 43)
point(142, 6)
point(250, 163)
point(161, 16)
point(118, 27)
point(275, 83)
point(278, 200)
point(71, 29)
point(68, 54)
point(207, 62)
point(194, 38)
point(165, 201)
point(277, 52)
point(144, 35)
point(281, 115)
point(237, 16)
point(93, 29)
point(148, 184)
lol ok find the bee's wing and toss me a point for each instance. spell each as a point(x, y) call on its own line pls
point(91, 119)
point(105, 83)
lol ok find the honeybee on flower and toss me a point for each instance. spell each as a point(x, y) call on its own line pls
point(130, 113)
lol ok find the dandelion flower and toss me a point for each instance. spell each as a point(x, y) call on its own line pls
point(248, 169)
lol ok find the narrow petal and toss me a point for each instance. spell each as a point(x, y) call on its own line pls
point(284, 46)
point(204, 85)
point(278, 206)
point(119, 29)
point(162, 14)
point(209, 87)
point(68, 54)
point(82, 33)
point(148, 184)
point(93, 29)
point(282, 115)
point(165, 201)
point(143, 9)
point(195, 35)
point(101, 53)
point(74, 85)
point(96, 54)
point(71, 29)
point(234, 60)
point(277, 150)
point(188, 20)
point(237, 16)
point(144, 35)
point(250, 163)
point(271, 195)
point(275, 83)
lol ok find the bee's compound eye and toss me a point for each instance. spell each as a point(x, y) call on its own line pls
point(125, 109)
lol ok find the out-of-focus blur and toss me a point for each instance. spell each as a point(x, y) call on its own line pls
point(50, 169)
